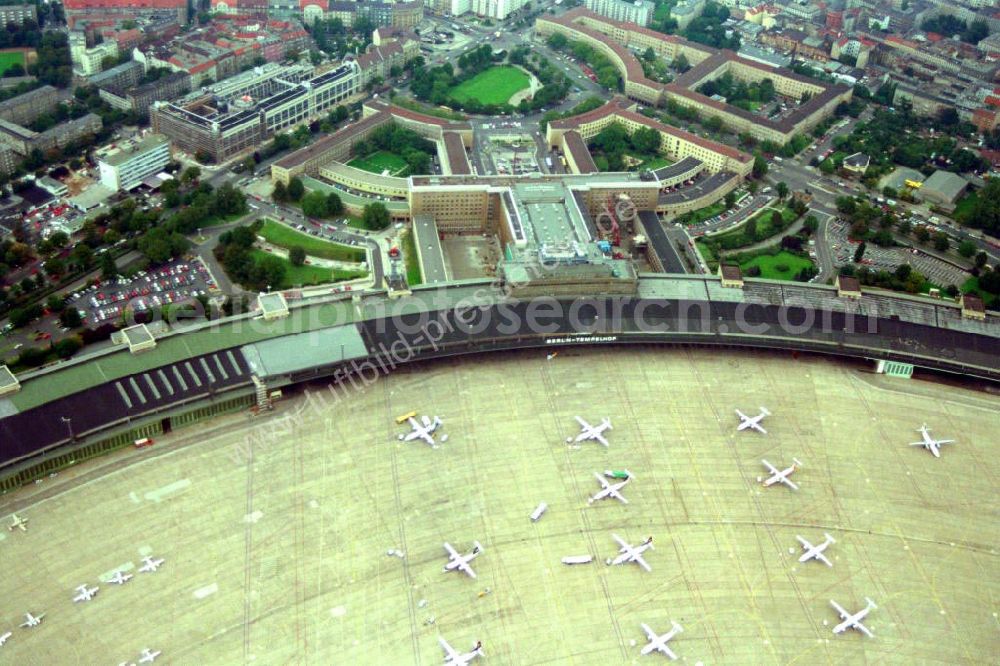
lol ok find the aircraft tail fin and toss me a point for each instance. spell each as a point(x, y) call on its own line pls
point(763, 410)
point(829, 538)
point(676, 627)
point(871, 603)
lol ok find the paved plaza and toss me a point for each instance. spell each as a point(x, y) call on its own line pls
point(276, 530)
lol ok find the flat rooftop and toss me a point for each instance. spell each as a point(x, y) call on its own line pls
point(128, 151)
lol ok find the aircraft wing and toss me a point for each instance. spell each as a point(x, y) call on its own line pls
point(452, 553)
point(448, 650)
point(770, 467)
point(945, 441)
point(840, 609)
point(805, 544)
point(758, 427)
point(642, 563)
point(650, 634)
point(600, 438)
point(621, 542)
point(464, 566)
point(862, 628)
point(788, 482)
point(600, 480)
point(822, 558)
point(583, 424)
point(426, 437)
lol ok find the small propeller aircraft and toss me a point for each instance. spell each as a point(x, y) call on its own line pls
point(853, 621)
point(119, 578)
point(609, 490)
point(659, 643)
point(85, 593)
point(929, 443)
point(461, 562)
point(780, 476)
point(815, 552)
point(752, 421)
point(32, 620)
point(455, 658)
point(148, 656)
point(18, 524)
point(631, 553)
point(591, 432)
point(150, 564)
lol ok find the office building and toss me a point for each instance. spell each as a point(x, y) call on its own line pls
point(127, 166)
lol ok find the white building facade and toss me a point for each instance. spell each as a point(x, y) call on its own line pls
point(127, 167)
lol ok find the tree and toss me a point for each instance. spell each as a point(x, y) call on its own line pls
point(777, 221)
point(108, 268)
point(70, 318)
point(810, 225)
point(759, 166)
point(68, 346)
point(296, 255)
point(557, 41)
point(730, 200)
point(279, 193)
point(82, 256)
point(941, 243)
point(190, 175)
point(860, 252)
point(649, 55)
point(334, 206)
point(295, 189)
point(681, 63)
point(750, 228)
point(782, 189)
point(981, 259)
point(922, 234)
point(967, 248)
point(314, 205)
point(375, 217)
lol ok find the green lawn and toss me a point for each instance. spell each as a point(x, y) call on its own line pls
point(964, 205)
point(771, 265)
point(496, 85)
point(702, 214)
point(410, 260)
point(306, 275)
point(283, 236)
point(654, 163)
point(381, 161)
point(971, 286)
point(10, 58)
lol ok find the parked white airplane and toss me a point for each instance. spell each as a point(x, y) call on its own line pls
point(31, 620)
point(659, 643)
point(422, 429)
point(929, 443)
point(608, 490)
point(120, 579)
point(148, 656)
point(854, 621)
point(815, 552)
point(752, 421)
point(458, 561)
point(150, 564)
point(780, 476)
point(5, 637)
point(18, 524)
point(588, 432)
point(631, 553)
point(85, 593)
point(455, 658)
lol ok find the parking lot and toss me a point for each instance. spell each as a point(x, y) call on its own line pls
point(890, 258)
point(170, 284)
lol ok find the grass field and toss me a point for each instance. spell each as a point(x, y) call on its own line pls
point(771, 265)
point(379, 162)
point(307, 275)
point(964, 205)
point(494, 86)
point(654, 163)
point(702, 214)
point(410, 260)
point(10, 58)
point(282, 236)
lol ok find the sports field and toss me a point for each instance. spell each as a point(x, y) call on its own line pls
point(495, 85)
point(276, 530)
point(10, 58)
point(379, 162)
point(283, 236)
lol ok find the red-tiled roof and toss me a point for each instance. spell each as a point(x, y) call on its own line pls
point(124, 4)
point(457, 158)
point(578, 149)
